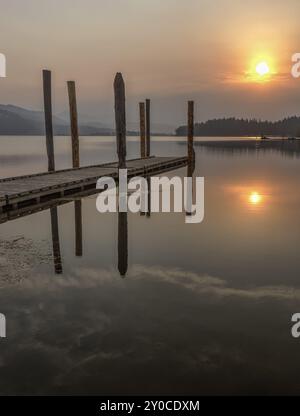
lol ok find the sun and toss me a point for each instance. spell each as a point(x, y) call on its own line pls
point(262, 68)
point(255, 198)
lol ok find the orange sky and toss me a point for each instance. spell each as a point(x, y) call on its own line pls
point(168, 50)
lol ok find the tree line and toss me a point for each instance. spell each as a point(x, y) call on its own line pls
point(244, 127)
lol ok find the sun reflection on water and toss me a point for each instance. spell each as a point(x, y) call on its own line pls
point(253, 197)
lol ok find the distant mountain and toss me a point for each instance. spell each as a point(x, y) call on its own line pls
point(36, 116)
point(244, 127)
point(20, 121)
point(156, 128)
point(11, 123)
point(86, 120)
point(16, 120)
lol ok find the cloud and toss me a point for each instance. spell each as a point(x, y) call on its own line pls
point(200, 283)
point(197, 283)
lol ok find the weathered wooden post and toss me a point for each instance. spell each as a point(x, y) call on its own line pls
point(120, 116)
point(142, 129)
point(48, 119)
point(74, 123)
point(51, 166)
point(148, 132)
point(122, 243)
point(191, 154)
point(76, 163)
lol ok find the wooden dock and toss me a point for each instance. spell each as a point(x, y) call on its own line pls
point(24, 195)
point(29, 190)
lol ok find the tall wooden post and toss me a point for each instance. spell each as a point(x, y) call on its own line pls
point(51, 166)
point(76, 163)
point(74, 123)
point(48, 119)
point(142, 129)
point(120, 116)
point(148, 132)
point(191, 154)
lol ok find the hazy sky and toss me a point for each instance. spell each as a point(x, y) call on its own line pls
point(167, 50)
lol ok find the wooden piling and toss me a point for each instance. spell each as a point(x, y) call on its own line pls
point(148, 130)
point(120, 116)
point(191, 154)
point(51, 167)
point(142, 130)
point(48, 119)
point(74, 123)
point(76, 163)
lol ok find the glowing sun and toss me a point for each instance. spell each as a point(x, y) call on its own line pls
point(262, 68)
point(255, 198)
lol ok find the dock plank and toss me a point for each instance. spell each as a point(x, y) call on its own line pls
point(23, 188)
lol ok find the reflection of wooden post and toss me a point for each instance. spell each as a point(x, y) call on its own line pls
point(148, 127)
point(142, 129)
point(74, 123)
point(55, 241)
point(48, 119)
point(120, 116)
point(122, 243)
point(149, 196)
point(191, 155)
point(78, 227)
point(143, 209)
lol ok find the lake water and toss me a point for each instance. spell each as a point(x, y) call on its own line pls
point(204, 308)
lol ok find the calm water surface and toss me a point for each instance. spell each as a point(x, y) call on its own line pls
point(203, 309)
